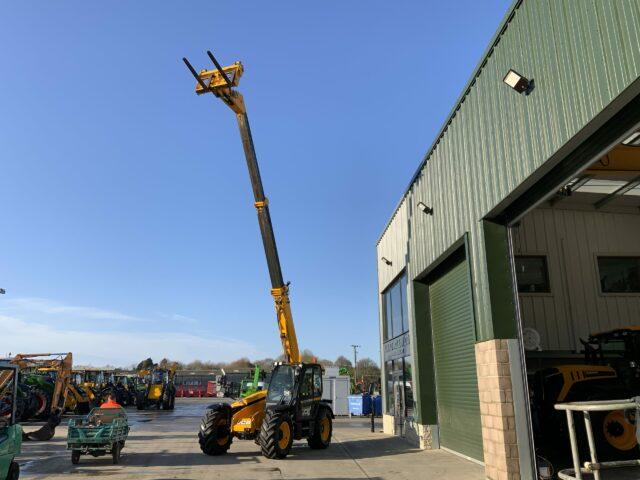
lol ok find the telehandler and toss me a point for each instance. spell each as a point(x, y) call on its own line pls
point(291, 408)
point(155, 388)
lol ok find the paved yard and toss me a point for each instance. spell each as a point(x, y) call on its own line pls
point(163, 445)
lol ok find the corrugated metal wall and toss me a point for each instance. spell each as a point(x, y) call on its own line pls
point(582, 54)
point(571, 240)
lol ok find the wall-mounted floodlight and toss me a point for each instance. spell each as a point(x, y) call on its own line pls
point(632, 140)
point(2, 291)
point(518, 82)
point(425, 208)
point(388, 262)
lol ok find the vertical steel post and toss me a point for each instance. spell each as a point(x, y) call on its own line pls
point(574, 445)
point(592, 443)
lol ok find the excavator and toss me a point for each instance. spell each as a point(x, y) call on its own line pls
point(292, 406)
point(58, 367)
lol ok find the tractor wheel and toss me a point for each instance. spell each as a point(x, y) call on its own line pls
point(75, 457)
point(43, 402)
point(14, 471)
point(115, 453)
point(214, 435)
point(276, 434)
point(321, 436)
point(141, 401)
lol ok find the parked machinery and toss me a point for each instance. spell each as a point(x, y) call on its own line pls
point(10, 430)
point(620, 349)
point(53, 369)
point(249, 386)
point(156, 388)
point(292, 406)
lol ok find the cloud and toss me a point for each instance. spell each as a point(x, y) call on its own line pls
point(118, 345)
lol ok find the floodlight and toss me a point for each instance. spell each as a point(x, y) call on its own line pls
point(519, 83)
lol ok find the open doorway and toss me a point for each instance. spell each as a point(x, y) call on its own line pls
point(576, 258)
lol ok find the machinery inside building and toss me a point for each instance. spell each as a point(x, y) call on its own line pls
point(577, 265)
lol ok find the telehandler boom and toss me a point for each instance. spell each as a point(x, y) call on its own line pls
point(291, 407)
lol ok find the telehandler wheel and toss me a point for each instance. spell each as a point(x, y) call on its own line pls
point(141, 401)
point(75, 457)
point(14, 471)
point(321, 436)
point(214, 435)
point(276, 434)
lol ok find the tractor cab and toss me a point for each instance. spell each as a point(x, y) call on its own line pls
point(10, 430)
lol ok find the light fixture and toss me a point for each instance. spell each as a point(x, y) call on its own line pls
point(518, 82)
point(388, 262)
point(632, 140)
point(425, 208)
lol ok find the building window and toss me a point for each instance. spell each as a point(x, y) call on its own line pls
point(394, 302)
point(399, 387)
point(532, 274)
point(619, 274)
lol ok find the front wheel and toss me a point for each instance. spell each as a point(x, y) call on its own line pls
point(115, 453)
point(322, 430)
point(276, 435)
point(215, 435)
point(14, 471)
point(75, 457)
point(141, 400)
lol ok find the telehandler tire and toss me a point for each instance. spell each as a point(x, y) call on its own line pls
point(276, 434)
point(321, 436)
point(214, 435)
point(141, 401)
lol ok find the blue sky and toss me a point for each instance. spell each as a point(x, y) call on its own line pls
point(128, 227)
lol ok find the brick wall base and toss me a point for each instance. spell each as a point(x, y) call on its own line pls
point(496, 410)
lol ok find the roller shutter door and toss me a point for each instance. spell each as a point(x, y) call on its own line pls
point(455, 362)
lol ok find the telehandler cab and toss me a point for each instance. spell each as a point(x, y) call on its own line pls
point(291, 408)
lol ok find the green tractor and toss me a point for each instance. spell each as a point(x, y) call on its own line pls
point(249, 386)
point(10, 430)
point(40, 388)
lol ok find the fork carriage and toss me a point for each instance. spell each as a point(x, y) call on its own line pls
point(104, 431)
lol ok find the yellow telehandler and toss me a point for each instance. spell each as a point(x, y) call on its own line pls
point(291, 408)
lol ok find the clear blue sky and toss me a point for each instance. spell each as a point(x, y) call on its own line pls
point(127, 220)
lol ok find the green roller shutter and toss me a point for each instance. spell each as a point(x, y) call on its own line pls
point(455, 362)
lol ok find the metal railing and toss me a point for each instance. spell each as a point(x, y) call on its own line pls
point(594, 467)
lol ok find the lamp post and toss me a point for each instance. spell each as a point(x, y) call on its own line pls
point(355, 362)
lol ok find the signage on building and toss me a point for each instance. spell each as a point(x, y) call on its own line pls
point(397, 348)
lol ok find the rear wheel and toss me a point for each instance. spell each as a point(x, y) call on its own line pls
point(14, 471)
point(321, 436)
point(115, 453)
point(75, 457)
point(141, 400)
point(276, 435)
point(43, 402)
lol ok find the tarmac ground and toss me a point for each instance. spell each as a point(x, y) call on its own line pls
point(163, 445)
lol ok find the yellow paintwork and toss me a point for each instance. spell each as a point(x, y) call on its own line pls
point(626, 439)
point(155, 391)
point(285, 435)
point(249, 414)
point(285, 324)
point(572, 374)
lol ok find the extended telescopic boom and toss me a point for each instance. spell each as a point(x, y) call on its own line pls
point(221, 81)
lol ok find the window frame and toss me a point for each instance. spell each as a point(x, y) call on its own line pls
point(386, 295)
point(598, 280)
point(545, 258)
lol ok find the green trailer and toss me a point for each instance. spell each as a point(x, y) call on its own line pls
point(104, 431)
point(10, 431)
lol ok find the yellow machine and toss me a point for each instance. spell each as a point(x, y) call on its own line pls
point(57, 367)
point(291, 407)
point(156, 388)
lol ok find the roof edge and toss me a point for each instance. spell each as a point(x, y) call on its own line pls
point(465, 92)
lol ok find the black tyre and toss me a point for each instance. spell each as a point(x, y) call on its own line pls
point(43, 402)
point(276, 434)
point(141, 401)
point(14, 471)
point(75, 457)
point(115, 453)
point(320, 438)
point(215, 435)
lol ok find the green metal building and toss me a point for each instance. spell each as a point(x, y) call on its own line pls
point(479, 275)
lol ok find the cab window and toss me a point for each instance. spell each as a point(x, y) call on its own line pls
point(317, 383)
point(306, 388)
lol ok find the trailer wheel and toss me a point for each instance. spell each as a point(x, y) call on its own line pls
point(321, 436)
point(115, 453)
point(14, 471)
point(214, 435)
point(75, 457)
point(276, 435)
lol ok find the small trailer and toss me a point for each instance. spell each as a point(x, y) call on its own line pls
point(104, 431)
